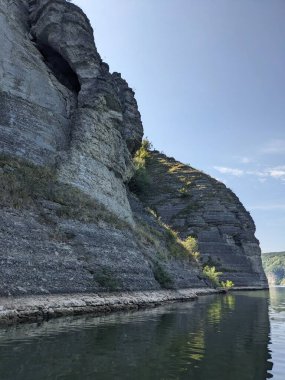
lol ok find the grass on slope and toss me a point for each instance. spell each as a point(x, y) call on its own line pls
point(160, 177)
point(25, 185)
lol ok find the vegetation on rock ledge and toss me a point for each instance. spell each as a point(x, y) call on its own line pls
point(25, 185)
point(140, 180)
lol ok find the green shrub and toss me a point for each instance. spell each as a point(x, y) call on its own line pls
point(212, 275)
point(187, 248)
point(191, 244)
point(184, 192)
point(161, 276)
point(105, 279)
point(227, 284)
point(196, 256)
point(174, 243)
point(140, 181)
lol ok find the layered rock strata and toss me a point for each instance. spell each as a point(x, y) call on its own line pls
point(61, 106)
point(68, 130)
point(48, 248)
point(194, 204)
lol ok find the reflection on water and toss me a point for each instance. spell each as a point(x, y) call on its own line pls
point(277, 322)
point(214, 338)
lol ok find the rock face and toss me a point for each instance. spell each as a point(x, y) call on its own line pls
point(61, 106)
point(68, 131)
point(195, 204)
point(45, 248)
point(35, 107)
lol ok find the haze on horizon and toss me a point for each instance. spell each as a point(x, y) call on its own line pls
point(210, 85)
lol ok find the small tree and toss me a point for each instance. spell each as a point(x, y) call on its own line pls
point(227, 284)
point(191, 245)
point(212, 275)
point(140, 180)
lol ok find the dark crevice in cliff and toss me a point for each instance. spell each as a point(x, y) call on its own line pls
point(61, 68)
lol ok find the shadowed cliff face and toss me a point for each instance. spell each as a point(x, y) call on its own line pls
point(68, 131)
point(194, 204)
point(60, 68)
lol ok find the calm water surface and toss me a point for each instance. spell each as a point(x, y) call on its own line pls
point(238, 336)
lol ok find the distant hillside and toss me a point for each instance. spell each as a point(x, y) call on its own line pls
point(274, 266)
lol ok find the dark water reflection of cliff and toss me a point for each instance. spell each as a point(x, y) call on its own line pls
point(214, 338)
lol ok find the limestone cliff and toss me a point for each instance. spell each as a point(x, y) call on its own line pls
point(68, 131)
point(59, 103)
point(194, 204)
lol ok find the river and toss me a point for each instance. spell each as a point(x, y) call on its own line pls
point(238, 336)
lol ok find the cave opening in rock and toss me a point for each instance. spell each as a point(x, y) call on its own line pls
point(61, 68)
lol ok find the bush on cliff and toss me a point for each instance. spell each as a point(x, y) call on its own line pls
point(161, 276)
point(140, 180)
point(187, 248)
point(24, 185)
point(227, 284)
point(191, 245)
point(212, 275)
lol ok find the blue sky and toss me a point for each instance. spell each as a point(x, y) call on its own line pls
point(209, 77)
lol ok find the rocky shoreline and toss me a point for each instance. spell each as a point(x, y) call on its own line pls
point(44, 307)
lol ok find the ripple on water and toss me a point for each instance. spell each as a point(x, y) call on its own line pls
point(215, 338)
point(277, 335)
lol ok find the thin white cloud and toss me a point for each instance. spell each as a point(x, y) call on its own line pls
point(276, 146)
point(257, 173)
point(276, 172)
point(269, 207)
point(231, 171)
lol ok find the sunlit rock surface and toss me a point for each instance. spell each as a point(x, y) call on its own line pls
point(61, 105)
